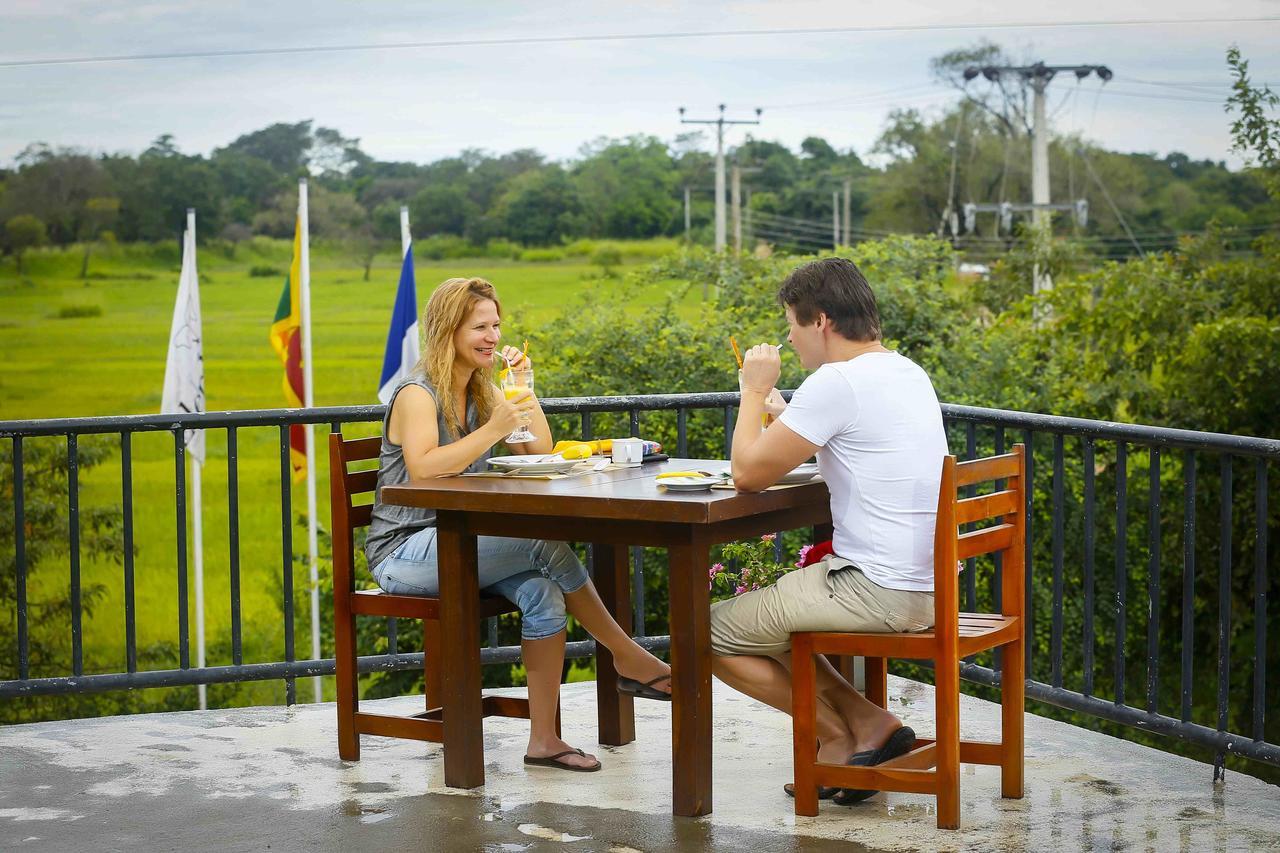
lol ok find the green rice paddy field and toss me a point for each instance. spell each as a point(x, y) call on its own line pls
point(113, 363)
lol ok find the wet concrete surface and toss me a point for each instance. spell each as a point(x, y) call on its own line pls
point(270, 779)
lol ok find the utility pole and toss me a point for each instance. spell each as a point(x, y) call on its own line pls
point(1038, 76)
point(736, 201)
point(687, 219)
point(720, 177)
point(848, 208)
point(835, 221)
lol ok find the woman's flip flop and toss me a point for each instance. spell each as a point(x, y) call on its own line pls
point(645, 690)
point(550, 761)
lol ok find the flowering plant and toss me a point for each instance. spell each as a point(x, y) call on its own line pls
point(757, 566)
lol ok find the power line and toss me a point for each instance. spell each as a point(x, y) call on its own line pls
point(617, 37)
point(858, 99)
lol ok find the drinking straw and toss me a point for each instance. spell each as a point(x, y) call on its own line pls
point(525, 352)
point(736, 353)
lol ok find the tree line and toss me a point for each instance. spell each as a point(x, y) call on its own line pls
point(922, 166)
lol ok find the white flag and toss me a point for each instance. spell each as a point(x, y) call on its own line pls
point(184, 369)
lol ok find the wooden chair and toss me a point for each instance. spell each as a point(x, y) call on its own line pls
point(933, 766)
point(348, 602)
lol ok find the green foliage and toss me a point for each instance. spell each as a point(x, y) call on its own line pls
point(607, 258)
point(752, 565)
point(265, 271)
point(541, 256)
point(44, 533)
point(21, 233)
point(1253, 132)
point(67, 312)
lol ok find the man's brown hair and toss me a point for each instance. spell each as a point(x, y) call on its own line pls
point(837, 288)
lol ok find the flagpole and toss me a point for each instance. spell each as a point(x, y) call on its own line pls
point(406, 240)
point(197, 519)
point(308, 400)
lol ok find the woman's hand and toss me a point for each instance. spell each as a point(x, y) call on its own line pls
point(516, 359)
point(506, 413)
point(774, 405)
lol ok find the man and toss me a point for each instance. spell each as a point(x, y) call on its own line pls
point(872, 418)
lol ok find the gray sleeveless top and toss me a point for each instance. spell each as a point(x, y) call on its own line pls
point(391, 525)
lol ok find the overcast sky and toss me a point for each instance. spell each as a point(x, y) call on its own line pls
point(421, 104)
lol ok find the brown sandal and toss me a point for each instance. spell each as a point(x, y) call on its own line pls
point(550, 761)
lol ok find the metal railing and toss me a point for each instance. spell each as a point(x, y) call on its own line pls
point(1102, 452)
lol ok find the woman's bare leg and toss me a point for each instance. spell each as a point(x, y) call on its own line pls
point(630, 659)
point(543, 662)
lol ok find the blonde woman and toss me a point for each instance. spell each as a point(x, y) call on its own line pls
point(445, 418)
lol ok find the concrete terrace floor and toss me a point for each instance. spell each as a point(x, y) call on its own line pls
point(270, 778)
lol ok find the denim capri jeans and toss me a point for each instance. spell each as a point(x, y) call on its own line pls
point(531, 573)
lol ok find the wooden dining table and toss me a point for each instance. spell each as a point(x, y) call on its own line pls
point(611, 509)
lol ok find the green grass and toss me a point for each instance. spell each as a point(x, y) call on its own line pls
point(56, 365)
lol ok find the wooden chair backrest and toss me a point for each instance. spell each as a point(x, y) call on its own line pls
point(344, 486)
point(1006, 537)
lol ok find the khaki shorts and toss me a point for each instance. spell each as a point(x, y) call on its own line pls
point(832, 595)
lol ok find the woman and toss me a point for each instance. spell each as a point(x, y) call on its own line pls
point(444, 419)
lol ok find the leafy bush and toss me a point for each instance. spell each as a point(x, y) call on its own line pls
point(442, 247)
point(503, 249)
point(67, 312)
point(265, 271)
point(541, 256)
point(607, 258)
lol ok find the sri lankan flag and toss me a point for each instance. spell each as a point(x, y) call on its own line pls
point(286, 340)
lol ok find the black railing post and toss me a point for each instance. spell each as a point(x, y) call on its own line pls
point(20, 559)
point(1224, 609)
point(286, 556)
point(1260, 601)
point(1188, 576)
point(1122, 566)
point(1089, 498)
point(1055, 636)
point(73, 525)
point(130, 597)
point(180, 500)
point(1153, 580)
point(233, 541)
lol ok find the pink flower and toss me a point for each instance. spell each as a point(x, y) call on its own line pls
point(715, 569)
point(804, 552)
point(768, 537)
point(740, 590)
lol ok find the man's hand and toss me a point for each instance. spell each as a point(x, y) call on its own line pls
point(761, 367)
point(774, 405)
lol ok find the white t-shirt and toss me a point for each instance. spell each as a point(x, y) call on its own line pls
point(877, 421)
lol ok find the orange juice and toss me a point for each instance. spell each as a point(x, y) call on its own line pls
point(512, 393)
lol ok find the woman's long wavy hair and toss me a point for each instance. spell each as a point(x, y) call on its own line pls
point(446, 311)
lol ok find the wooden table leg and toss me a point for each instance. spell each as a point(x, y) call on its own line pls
point(691, 679)
point(612, 578)
point(460, 685)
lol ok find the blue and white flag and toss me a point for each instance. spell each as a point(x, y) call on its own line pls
point(402, 337)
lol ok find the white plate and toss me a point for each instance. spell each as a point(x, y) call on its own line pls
point(537, 464)
point(800, 474)
point(689, 484)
